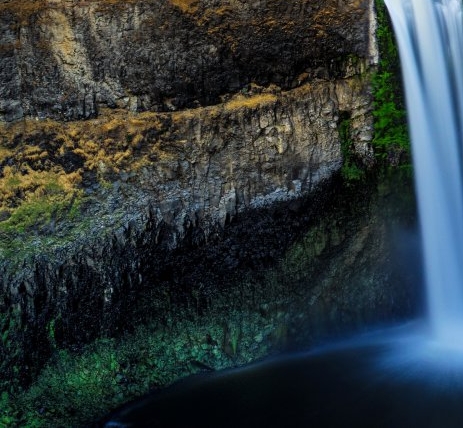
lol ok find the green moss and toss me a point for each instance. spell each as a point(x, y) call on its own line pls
point(8, 415)
point(76, 389)
point(391, 141)
point(352, 166)
point(37, 212)
point(21, 235)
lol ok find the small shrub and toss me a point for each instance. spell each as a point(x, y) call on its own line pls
point(391, 140)
point(351, 169)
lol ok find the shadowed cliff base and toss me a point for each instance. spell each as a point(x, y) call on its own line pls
point(281, 278)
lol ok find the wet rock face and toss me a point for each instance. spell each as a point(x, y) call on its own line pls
point(270, 82)
point(66, 59)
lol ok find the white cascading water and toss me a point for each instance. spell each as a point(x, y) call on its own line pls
point(430, 39)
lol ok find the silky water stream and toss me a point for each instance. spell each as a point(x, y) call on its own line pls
point(406, 376)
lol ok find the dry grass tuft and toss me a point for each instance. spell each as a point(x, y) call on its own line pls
point(252, 102)
point(187, 6)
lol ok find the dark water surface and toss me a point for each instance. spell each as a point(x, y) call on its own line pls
point(392, 378)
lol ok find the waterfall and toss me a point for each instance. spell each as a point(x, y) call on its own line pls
point(430, 39)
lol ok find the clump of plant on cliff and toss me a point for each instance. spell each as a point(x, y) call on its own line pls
point(391, 141)
point(352, 167)
point(46, 166)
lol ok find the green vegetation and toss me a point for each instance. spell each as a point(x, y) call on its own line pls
point(32, 196)
point(391, 141)
point(352, 169)
point(46, 166)
point(41, 211)
point(77, 388)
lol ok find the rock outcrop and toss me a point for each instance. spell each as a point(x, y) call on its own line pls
point(66, 59)
point(196, 114)
point(204, 171)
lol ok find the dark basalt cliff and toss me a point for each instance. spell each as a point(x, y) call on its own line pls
point(66, 59)
point(135, 130)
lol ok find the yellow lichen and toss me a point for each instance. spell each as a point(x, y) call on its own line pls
point(187, 6)
point(5, 153)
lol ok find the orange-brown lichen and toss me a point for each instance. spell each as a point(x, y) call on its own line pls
point(187, 6)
